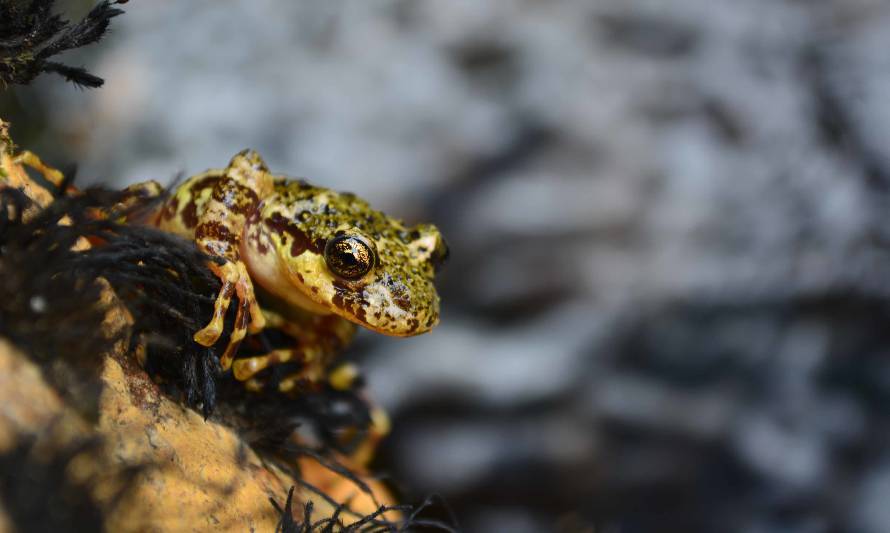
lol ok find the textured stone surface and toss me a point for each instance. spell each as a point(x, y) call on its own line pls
point(205, 478)
point(198, 475)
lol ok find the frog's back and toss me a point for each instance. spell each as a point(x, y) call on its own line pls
point(183, 210)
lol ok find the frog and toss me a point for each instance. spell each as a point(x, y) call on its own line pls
point(325, 263)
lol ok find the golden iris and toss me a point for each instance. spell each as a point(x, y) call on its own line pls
point(349, 256)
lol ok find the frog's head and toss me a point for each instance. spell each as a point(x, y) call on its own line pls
point(338, 255)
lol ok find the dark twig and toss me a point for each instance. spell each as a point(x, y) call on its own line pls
point(30, 34)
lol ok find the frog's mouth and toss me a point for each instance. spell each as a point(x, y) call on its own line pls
point(376, 306)
point(379, 303)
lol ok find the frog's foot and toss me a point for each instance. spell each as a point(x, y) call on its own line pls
point(342, 378)
point(30, 159)
point(239, 331)
point(311, 357)
point(235, 280)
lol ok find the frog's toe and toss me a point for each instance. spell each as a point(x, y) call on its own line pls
point(344, 377)
point(245, 369)
point(255, 319)
point(238, 334)
point(211, 333)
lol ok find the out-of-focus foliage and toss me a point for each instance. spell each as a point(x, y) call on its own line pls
point(30, 35)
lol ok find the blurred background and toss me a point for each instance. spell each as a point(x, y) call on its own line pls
point(667, 302)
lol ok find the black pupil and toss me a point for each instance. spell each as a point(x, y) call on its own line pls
point(348, 257)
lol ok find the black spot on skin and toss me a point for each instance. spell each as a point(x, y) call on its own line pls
point(339, 300)
point(236, 197)
point(254, 240)
point(215, 231)
point(282, 226)
point(345, 298)
point(341, 294)
point(190, 214)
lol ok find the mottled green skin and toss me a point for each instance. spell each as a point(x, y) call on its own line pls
point(278, 228)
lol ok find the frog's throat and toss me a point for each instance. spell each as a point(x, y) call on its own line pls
point(266, 270)
point(296, 296)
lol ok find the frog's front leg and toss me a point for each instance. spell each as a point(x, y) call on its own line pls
point(218, 233)
point(319, 338)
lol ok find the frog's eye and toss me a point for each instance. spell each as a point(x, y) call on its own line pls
point(349, 256)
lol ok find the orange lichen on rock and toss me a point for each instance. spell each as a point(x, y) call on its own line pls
point(200, 474)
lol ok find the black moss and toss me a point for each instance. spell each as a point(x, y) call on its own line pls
point(49, 294)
